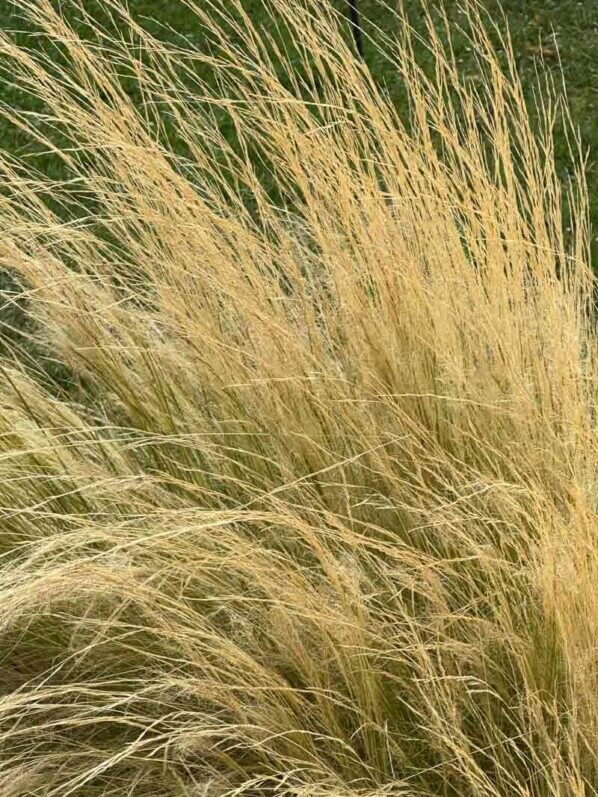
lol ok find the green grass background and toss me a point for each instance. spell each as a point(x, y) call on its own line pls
point(534, 25)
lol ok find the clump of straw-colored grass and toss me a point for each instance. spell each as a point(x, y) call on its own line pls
point(311, 509)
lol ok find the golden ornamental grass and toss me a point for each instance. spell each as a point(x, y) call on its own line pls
point(312, 508)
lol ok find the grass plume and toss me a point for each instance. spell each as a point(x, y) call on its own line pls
point(311, 509)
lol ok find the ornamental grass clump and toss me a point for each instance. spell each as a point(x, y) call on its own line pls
point(298, 426)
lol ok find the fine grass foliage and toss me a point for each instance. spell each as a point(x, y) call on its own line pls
point(298, 426)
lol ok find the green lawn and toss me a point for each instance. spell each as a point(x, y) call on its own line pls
point(534, 24)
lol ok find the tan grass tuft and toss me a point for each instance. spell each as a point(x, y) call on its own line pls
point(311, 508)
